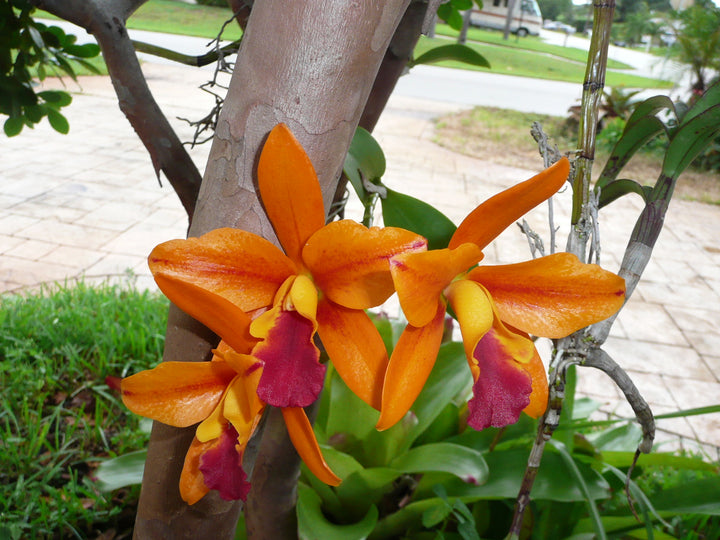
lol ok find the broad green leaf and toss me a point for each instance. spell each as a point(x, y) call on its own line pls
point(435, 514)
point(364, 160)
point(691, 138)
point(634, 137)
point(463, 462)
point(447, 381)
point(617, 525)
point(88, 50)
point(58, 121)
point(35, 113)
point(709, 99)
point(660, 459)
point(457, 52)
point(348, 416)
point(448, 13)
point(13, 126)
point(57, 97)
point(404, 211)
point(462, 5)
point(313, 525)
point(341, 463)
point(554, 480)
point(364, 488)
point(125, 470)
point(617, 188)
point(696, 496)
point(625, 437)
point(650, 107)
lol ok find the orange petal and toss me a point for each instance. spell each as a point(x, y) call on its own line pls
point(220, 315)
point(410, 365)
point(192, 485)
point(539, 395)
point(179, 394)
point(290, 191)
point(356, 349)
point(350, 263)
point(493, 216)
point(239, 266)
point(303, 438)
point(420, 278)
point(242, 406)
point(552, 296)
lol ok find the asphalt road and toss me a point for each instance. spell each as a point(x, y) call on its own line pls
point(460, 87)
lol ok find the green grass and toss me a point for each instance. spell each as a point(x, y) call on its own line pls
point(173, 17)
point(529, 43)
point(525, 63)
point(58, 417)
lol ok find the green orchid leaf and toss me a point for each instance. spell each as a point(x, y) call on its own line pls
point(461, 461)
point(312, 523)
point(691, 138)
point(435, 514)
point(659, 459)
point(125, 470)
point(364, 488)
point(457, 52)
point(349, 419)
point(618, 438)
point(634, 137)
point(365, 160)
point(650, 107)
point(404, 211)
point(709, 99)
point(449, 379)
point(617, 188)
point(696, 496)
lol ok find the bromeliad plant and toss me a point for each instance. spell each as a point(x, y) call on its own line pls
point(270, 306)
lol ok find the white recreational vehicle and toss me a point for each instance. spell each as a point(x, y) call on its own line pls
point(526, 17)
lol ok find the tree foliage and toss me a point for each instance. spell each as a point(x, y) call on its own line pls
point(698, 41)
point(31, 49)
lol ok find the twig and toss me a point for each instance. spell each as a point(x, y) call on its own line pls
point(533, 238)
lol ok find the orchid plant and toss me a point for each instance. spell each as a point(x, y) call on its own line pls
point(276, 309)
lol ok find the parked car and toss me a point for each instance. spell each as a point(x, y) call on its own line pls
point(526, 18)
point(560, 26)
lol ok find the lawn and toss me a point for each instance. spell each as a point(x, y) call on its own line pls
point(58, 417)
point(525, 57)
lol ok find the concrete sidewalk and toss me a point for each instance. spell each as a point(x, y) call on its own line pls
point(87, 205)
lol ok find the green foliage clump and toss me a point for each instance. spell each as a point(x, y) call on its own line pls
point(58, 416)
point(27, 45)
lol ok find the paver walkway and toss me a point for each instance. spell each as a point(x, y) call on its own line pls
point(88, 205)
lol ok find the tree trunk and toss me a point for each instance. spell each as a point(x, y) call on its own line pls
point(310, 64)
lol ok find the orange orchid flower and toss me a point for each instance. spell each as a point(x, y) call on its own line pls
point(496, 307)
point(222, 396)
point(325, 279)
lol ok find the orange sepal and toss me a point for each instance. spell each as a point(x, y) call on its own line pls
point(303, 439)
point(350, 263)
point(420, 278)
point(410, 365)
point(239, 266)
point(192, 485)
point(355, 348)
point(493, 216)
point(179, 394)
point(552, 296)
point(290, 191)
point(223, 317)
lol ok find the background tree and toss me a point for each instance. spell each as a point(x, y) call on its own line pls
point(556, 9)
point(697, 44)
